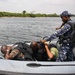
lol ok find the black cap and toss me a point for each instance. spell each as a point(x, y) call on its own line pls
point(65, 13)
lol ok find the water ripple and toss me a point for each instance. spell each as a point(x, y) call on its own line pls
point(21, 29)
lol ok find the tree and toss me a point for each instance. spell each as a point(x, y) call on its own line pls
point(24, 11)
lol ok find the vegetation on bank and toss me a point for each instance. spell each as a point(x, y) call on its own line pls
point(24, 14)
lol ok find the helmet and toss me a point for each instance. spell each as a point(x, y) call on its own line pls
point(65, 13)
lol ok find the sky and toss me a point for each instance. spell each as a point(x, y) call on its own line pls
point(38, 6)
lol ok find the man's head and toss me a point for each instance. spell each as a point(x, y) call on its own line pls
point(65, 16)
point(4, 49)
point(34, 45)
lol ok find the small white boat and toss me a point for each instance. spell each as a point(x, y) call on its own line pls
point(15, 67)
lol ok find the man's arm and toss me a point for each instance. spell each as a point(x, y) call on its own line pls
point(61, 31)
point(12, 54)
point(50, 55)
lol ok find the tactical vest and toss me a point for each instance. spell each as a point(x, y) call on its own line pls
point(72, 36)
point(25, 49)
point(69, 36)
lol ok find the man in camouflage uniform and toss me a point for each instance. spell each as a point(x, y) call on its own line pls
point(64, 33)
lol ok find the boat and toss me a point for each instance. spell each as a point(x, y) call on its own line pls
point(17, 67)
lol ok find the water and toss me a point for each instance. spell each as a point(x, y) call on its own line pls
point(27, 29)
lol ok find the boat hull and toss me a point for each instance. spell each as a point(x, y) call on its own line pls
point(12, 67)
point(16, 67)
point(15, 73)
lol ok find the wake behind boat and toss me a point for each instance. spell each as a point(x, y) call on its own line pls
point(16, 67)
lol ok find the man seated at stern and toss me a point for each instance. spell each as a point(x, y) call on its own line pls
point(19, 51)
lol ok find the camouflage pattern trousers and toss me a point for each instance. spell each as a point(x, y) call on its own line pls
point(66, 52)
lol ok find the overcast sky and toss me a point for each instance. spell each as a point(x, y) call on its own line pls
point(38, 6)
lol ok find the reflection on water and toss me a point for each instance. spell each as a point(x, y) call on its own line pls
point(21, 29)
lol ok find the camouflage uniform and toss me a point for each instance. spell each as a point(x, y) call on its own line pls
point(65, 52)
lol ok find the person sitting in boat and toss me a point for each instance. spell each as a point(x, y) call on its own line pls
point(67, 38)
point(51, 50)
point(42, 51)
point(39, 53)
point(4, 49)
point(19, 51)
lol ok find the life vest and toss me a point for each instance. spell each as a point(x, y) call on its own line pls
point(25, 49)
point(70, 35)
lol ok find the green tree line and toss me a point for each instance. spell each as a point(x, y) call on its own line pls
point(24, 14)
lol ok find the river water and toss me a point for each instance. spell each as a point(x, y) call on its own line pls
point(27, 29)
